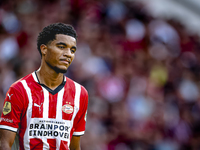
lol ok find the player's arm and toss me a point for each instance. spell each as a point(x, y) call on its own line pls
point(6, 139)
point(10, 118)
point(75, 143)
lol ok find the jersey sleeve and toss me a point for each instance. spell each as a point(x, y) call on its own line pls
point(12, 109)
point(80, 120)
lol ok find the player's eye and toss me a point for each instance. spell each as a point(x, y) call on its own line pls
point(61, 47)
point(73, 50)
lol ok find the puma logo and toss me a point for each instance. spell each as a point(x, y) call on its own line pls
point(36, 105)
point(9, 96)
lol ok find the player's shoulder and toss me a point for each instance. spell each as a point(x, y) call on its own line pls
point(17, 84)
point(17, 89)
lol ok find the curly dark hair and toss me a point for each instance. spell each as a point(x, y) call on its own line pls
point(49, 32)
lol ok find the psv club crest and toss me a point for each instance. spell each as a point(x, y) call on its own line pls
point(68, 109)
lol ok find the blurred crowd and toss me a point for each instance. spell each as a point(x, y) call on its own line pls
point(142, 73)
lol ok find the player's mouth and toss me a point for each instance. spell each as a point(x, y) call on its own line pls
point(65, 61)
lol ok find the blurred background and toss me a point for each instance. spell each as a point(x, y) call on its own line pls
point(138, 59)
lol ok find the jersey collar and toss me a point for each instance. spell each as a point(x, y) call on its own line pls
point(56, 90)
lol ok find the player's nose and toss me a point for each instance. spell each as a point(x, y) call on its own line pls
point(67, 52)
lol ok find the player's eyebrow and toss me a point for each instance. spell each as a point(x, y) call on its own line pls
point(73, 47)
point(61, 43)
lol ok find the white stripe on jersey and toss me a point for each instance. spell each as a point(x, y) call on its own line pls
point(59, 105)
point(45, 103)
point(8, 128)
point(28, 114)
point(79, 133)
point(59, 112)
point(76, 99)
point(45, 114)
point(35, 77)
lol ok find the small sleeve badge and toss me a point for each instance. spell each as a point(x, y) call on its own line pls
point(6, 108)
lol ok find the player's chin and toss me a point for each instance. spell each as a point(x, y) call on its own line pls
point(60, 69)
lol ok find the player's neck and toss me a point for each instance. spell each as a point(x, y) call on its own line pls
point(49, 77)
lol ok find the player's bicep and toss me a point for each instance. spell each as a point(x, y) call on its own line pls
point(6, 139)
point(75, 143)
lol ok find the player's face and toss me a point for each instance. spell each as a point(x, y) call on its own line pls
point(60, 53)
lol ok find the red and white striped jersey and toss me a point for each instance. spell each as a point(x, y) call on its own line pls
point(45, 118)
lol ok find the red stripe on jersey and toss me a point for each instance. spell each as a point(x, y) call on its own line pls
point(23, 118)
point(52, 105)
point(64, 145)
point(52, 144)
point(36, 144)
point(68, 100)
point(38, 99)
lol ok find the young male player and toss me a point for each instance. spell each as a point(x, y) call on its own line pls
point(46, 107)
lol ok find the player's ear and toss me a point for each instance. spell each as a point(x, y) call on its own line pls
point(43, 49)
